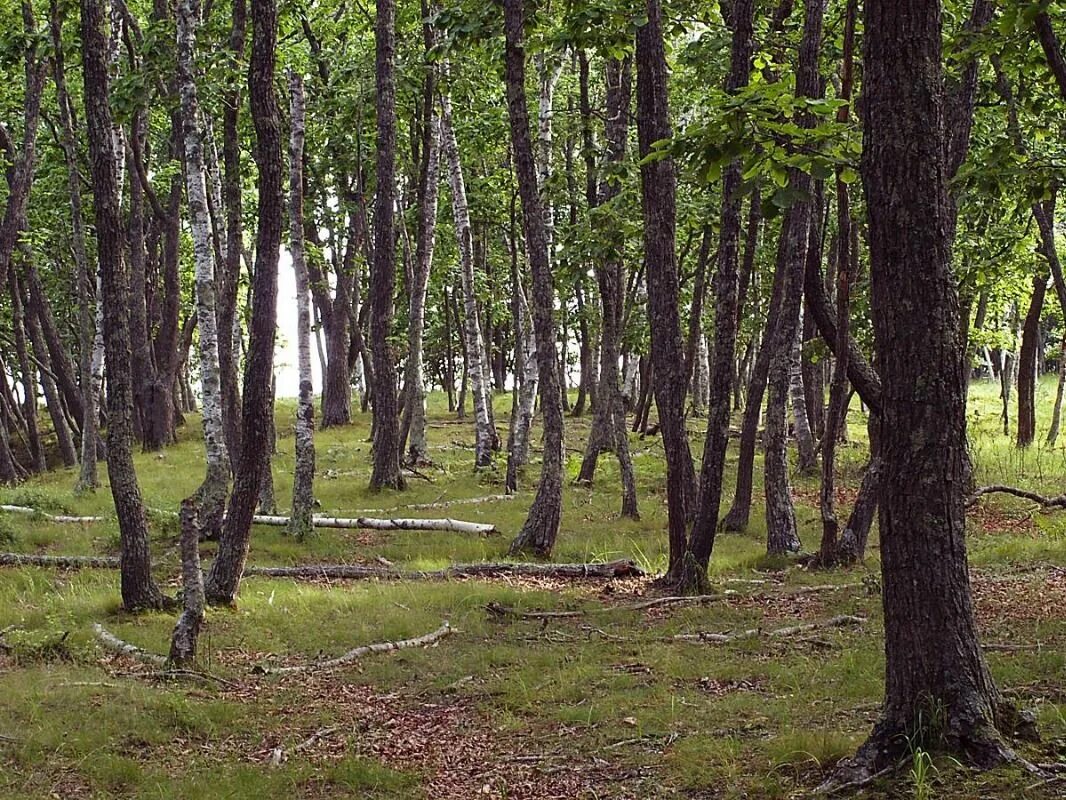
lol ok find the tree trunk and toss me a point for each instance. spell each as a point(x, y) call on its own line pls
point(474, 344)
point(943, 695)
point(224, 579)
point(803, 431)
point(386, 473)
point(658, 202)
point(1029, 362)
point(211, 496)
point(303, 490)
point(542, 524)
point(726, 311)
point(88, 479)
point(138, 588)
point(1056, 413)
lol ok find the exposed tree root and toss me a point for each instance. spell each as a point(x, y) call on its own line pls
point(358, 652)
point(791, 630)
point(1039, 499)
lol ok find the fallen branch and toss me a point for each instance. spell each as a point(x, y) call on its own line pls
point(65, 518)
point(719, 638)
point(372, 523)
point(469, 501)
point(58, 562)
point(358, 652)
point(113, 643)
point(610, 569)
point(994, 647)
point(1039, 499)
point(278, 754)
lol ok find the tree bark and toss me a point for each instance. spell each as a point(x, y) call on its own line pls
point(658, 202)
point(1029, 361)
point(945, 691)
point(303, 490)
point(386, 472)
point(139, 590)
point(211, 495)
point(224, 579)
point(727, 320)
point(542, 524)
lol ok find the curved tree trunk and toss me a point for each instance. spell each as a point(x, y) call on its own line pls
point(1028, 362)
point(224, 579)
point(138, 588)
point(542, 524)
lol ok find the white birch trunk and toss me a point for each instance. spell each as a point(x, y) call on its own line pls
point(471, 324)
point(300, 523)
point(212, 493)
point(527, 390)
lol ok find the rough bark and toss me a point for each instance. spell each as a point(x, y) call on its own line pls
point(542, 524)
point(304, 474)
point(138, 588)
point(941, 696)
point(187, 630)
point(27, 374)
point(726, 315)
point(1029, 362)
point(658, 203)
point(223, 581)
point(386, 471)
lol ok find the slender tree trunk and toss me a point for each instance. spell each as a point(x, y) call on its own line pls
point(726, 314)
point(224, 579)
point(943, 694)
point(1028, 362)
point(139, 590)
point(303, 493)
point(27, 373)
point(88, 479)
point(542, 524)
point(658, 201)
point(803, 431)
point(211, 495)
point(386, 473)
point(1056, 413)
point(474, 345)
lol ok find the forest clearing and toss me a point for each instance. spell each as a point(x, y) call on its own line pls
point(531, 399)
point(605, 704)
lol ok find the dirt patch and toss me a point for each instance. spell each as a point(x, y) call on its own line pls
point(1001, 600)
point(458, 750)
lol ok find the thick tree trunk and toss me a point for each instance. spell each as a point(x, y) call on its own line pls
point(658, 202)
point(542, 524)
point(224, 579)
point(303, 480)
point(942, 695)
point(726, 315)
point(386, 473)
point(211, 496)
point(474, 344)
point(138, 588)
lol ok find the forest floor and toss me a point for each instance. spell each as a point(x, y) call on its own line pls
point(605, 704)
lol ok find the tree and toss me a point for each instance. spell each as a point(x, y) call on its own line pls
point(386, 474)
point(944, 695)
point(542, 523)
point(139, 590)
point(224, 579)
point(303, 479)
point(658, 202)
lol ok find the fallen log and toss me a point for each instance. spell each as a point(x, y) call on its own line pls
point(752, 633)
point(604, 570)
point(375, 524)
point(1039, 499)
point(356, 653)
point(58, 562)
point(116, 645)
point(63, 518)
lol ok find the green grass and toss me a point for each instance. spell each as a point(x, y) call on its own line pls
point(609, 694)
